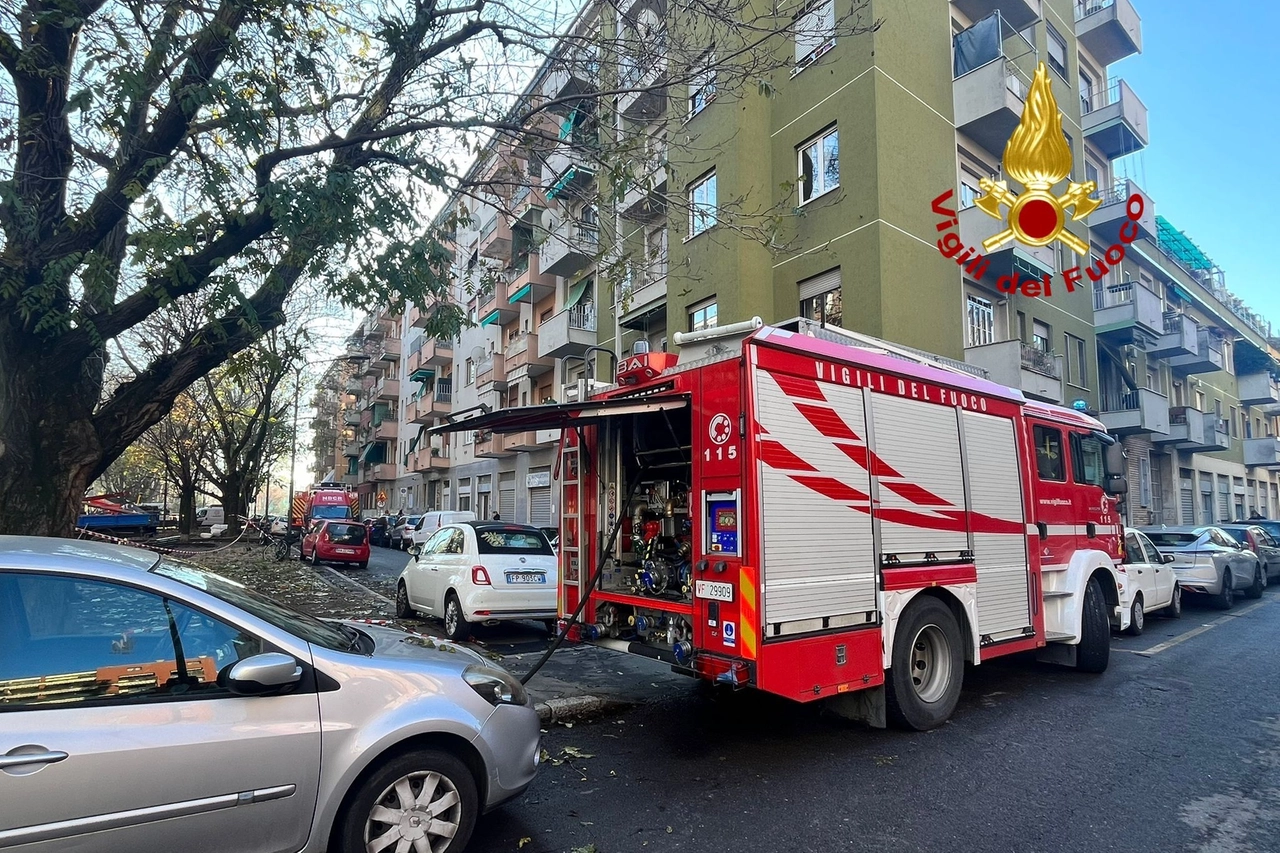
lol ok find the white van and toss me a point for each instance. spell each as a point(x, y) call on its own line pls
point(433, 521)
point(207, 516)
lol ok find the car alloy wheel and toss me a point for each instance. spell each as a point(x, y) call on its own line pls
point(420, 811)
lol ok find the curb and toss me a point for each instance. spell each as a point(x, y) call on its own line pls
point(575, 708)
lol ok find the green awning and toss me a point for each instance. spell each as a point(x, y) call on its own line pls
point(521, 293)
point(576, 292)
point(422, 374)
point(564, 181)
point(365, 451)
point(413, 444)
point(490, 320)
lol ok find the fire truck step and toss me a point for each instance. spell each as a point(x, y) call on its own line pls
point(1056, 636)
point(1058, 593)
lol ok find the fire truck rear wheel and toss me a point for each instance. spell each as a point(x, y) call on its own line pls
point(1094, 651)
point(928, 666)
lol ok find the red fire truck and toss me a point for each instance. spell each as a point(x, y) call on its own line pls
point(824, 515)
point(324, 500)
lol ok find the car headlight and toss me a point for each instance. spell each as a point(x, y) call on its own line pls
point(495, 686)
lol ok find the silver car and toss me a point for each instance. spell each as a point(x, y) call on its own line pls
point(146, 704)
point(1207, 560)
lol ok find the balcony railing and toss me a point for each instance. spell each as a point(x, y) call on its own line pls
point(1034, 358)
point(583, 317)
point(1085, 8)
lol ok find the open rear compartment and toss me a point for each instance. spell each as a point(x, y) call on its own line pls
point(638, 550)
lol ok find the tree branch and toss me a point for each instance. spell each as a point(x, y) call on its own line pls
point(9, 54)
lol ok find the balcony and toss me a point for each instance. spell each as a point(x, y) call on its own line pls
point(441, 398)
point(1186, 426)
point(388, 389)
point(372, 367)
point(518, 442)
point(570, 76)
point(351, 479)
point(1109, 29)
point(1216, 436)
point(529, 283)
point(1015, 258)
point(1116, 122)
point(1140, 411)
point(366, 419)
point(569, 248)
point(1127, 313)
point(1258, 389)
point(1017, 13)
point(351, 448)
point(490, 445)
point(390, 351)
point(388, 430)
point(1179, 337)
point(429, 459)
point(641, 305)
point(993, 69)
point(1262, 452)
point(1208, 357)
point(646, 198)
point(522, 358)
point(495, 238)
point(568, 333)
point(649, 100)
point(494, 307)
point(351, 418)
point(418, 411)
point(419, 318)
point(527, 204)
point(567, 173)
point(1108, 219)
point(491, 374)
point(384, 471)
point(1036, 373)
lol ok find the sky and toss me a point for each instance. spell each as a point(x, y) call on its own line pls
point(1208, 75)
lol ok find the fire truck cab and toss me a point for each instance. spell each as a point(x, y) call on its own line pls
point(824, 515)
point(324, 500)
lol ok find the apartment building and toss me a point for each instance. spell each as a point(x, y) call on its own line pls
point(814, 200)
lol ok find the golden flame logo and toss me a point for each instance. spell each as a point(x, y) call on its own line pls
point(1037, 156)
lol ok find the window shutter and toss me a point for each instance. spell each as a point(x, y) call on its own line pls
point(819, 284)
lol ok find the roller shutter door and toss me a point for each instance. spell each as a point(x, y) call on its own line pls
point(540, 506)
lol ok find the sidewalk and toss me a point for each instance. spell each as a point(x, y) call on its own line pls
point(577, 681)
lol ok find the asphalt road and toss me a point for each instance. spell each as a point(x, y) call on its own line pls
point(1175, 748)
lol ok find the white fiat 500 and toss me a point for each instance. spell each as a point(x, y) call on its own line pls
point(480, 571)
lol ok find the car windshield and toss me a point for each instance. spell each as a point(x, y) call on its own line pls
point(298, 624)
point(511, 540)
point(411, 520)
point(1171, 538)
point(1237, 533)
point(331, 512)
point(346, 534)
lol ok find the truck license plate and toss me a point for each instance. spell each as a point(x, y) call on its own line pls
point(714, 590)
point(526, 577)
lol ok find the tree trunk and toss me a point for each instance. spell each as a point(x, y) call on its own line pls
point(232, 504)
point(186, 508)
point(49, 449)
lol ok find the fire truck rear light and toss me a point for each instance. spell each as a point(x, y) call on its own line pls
point(480, 576)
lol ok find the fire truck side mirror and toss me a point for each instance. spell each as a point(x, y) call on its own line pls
point(1117, 485)
point(1115, 459)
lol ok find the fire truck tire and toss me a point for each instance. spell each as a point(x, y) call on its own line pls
point(928, 666)
point(456, 626)
point(1094, 651)
point(395, 788)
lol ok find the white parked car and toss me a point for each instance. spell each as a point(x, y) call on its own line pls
point(480, 571)
point(431, 522)
point(401, 533)
point(1149, 583)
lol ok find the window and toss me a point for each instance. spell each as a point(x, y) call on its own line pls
point(1086, 93)
point(103, 642)
point(819, 165)
point(702, 205)
point(815, 31)
point(1088, 460)
point(702, 316)
point(1041, 336)
point(1082, 363)
point(471, 372)
point(498, 540)
point(1144, 481)
point(820, 298)
point(1057, 51)
point(1234, 420)
point(1049, 463)
point(702, 89)
point(982, 321)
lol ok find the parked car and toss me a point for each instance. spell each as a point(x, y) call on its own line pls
point(402, 532)
point(1149, 584)
point(553, 536)
point(431, 522)
point(1208, 561)
point(1256, 538)
point(279, 525)
point(336, 541)
point(210, 699)
point(480, 571)
point(379, 528)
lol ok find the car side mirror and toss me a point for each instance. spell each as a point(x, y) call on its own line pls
point(264, 674)
point(414, 550)
point(1168, 558)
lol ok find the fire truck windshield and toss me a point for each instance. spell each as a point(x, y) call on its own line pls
point(343, 511)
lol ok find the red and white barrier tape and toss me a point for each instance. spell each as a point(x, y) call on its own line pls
point(177, 552)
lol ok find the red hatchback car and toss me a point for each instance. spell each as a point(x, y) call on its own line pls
point(337, 541)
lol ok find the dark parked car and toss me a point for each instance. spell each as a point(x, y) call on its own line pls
point(379, 531)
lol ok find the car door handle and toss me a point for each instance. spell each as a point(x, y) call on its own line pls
point(23, 758)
